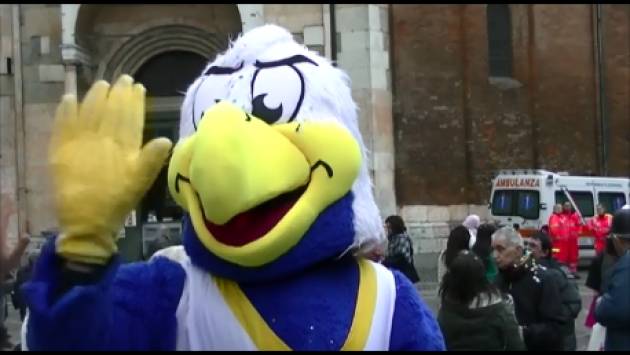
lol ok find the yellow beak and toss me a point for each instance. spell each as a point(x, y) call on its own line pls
point(236, 162)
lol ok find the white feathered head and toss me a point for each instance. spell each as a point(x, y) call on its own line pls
point(290, 93)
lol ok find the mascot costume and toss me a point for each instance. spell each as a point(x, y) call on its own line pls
point(270, 169)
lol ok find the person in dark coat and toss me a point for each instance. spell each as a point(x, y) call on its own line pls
point(599, 276)
point(613, 308)
point(537, 301)
point(473, 314)
point(400, 248)
point(458, 240)
point(540, 246)
point(483, 249)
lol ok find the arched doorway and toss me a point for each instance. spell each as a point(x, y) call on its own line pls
point(89, 29)
point(118, 39)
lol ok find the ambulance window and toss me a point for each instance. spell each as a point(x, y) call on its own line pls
point(612, 201)
point(528, 204)
point(502, 203)
point(583, 200)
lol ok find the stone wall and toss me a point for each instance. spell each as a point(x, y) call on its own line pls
point(305, 22)
point(8, 183)
point(41, 88)
point(363, 52)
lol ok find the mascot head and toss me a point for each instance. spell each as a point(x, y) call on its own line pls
point(270, 166)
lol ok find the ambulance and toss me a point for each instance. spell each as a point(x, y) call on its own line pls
point(524, 199)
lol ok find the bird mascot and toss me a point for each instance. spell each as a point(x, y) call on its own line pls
point(270, 169)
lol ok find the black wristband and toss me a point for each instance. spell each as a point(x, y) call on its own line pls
point(76, 274)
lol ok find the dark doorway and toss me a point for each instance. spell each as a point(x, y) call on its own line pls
point(170, 73)
point(166, 77)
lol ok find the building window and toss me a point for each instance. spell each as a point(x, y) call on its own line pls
point(499, 40)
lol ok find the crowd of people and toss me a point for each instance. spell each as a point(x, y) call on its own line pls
point(498, 290)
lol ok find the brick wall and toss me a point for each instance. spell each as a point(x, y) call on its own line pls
point(454, 125)
point(617, 80)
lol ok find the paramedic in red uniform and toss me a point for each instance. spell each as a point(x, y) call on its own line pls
point(558, 233)
point(599, 226)
point(573, 226)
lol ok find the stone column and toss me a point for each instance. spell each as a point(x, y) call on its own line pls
point(71, 79)
point(72, 55)
point(363, 52)
point(327, 29)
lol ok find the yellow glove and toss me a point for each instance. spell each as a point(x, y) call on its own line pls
point(100, 171)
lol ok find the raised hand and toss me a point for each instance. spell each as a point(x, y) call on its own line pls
point(99, 167)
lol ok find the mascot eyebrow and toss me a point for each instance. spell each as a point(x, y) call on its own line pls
point(273, 114)
point(213, 70)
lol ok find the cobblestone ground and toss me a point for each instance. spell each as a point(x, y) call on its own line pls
point(429, 294)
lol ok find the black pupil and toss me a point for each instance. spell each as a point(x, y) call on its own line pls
point(267, 114)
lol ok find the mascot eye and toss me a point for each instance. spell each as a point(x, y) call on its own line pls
point(277, 93)
point(212, 89)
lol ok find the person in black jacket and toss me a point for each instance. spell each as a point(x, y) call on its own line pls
point(473, 314)
point(599, 276)
point(601, 267)
point(458, 240)
point(400, 248)
point(537, 301)
point(540, 246)
point(613, 308)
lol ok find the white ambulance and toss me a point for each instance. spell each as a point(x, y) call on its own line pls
point(524, 199)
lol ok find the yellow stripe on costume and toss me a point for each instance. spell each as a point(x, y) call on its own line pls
point(364, 310)
point(265, 339)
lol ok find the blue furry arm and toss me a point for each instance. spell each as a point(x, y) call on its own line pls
point(414, 326)
point(128, 307)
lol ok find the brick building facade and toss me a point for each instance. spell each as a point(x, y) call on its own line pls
point(457, 122)
point(447, 93)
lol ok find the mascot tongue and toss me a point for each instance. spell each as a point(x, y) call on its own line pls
point(256, 222)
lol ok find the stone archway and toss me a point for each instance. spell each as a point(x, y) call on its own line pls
point(130, 55)
point(76, 52)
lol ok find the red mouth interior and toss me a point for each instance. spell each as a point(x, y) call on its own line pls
point(255, 223)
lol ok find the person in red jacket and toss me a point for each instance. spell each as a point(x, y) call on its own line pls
point(558, 233)
point(600, 227)
point(573, 226)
